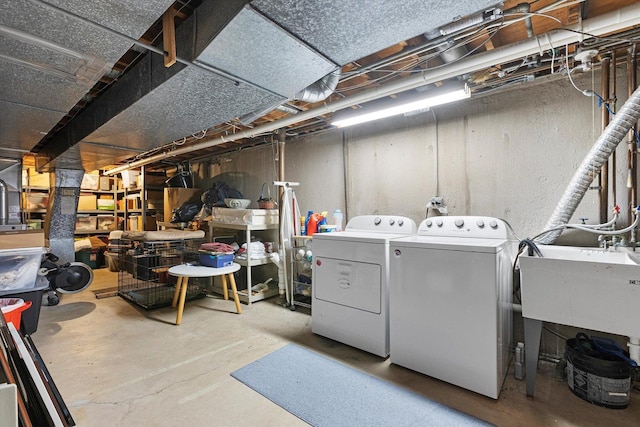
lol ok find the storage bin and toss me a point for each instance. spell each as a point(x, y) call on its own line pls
point(106, 222)
point(94, 258)
point(12, 309)
point(35, 200)
point(31, 316)
point(86, 223)
point(211, 259)
point(19, 269)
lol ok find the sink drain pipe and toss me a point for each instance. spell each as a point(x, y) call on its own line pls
point(606, 144)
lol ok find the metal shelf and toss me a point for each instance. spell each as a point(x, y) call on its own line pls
point(248, 263)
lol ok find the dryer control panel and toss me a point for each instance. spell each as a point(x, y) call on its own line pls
point(484, 227)
point(382, 224)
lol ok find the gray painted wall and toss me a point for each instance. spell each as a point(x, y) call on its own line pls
point(508, 155)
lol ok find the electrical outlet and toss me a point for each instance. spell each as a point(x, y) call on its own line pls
point(436, 202)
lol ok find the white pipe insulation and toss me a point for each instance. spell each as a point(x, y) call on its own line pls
point(600, 25)
point(607, 142)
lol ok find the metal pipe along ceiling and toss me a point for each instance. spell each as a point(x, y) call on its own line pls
point(603, 24)
point(621, 124)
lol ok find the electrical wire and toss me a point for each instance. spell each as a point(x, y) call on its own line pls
point(530, 14)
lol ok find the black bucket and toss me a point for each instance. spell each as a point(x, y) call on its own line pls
point(598, 378)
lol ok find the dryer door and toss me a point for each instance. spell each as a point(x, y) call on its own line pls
point(349, 283)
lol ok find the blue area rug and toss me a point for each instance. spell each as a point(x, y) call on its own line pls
point(324, 392)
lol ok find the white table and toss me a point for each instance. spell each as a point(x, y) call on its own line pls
point(184, 271)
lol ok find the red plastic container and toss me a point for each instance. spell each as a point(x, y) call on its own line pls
point(12, 309)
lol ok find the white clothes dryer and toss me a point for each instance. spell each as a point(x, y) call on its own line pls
point(451, 301)
point(351, 281)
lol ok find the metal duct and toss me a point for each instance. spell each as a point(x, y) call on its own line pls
point(604, 24)
point(622, 122)
point(60, 222)
point(320, 90)
point(286, 108)
point(448, 50)
point(315, 92)
point(4, 203)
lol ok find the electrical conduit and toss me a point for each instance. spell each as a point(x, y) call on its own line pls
point(623, 121)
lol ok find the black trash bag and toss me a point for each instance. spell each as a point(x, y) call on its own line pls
point(186, 212)
point(215, 195)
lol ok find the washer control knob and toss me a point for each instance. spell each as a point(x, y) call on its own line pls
point(392, 221)
point(480, 223)
point(493, 224)
point(377, 220)
point(400, 223)
point(439, 223)
point(459, 222)
point(429, 223)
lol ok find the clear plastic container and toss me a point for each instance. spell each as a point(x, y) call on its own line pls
point(19, 269)
point(338, 219)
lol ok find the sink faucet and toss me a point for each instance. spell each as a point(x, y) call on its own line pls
point(602, 240)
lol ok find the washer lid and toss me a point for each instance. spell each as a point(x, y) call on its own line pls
point(356, 236)
point(450, 243)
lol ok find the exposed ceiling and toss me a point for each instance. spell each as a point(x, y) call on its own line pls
point(85, 85)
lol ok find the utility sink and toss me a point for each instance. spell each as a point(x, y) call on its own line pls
point(589, 288)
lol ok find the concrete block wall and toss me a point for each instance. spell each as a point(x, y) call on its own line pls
point(509, 155)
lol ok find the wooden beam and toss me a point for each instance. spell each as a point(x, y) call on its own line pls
point(169, 37)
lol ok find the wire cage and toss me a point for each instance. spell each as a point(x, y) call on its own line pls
point(144, 278)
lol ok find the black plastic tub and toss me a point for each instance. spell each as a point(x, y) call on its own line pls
point(598, 378)
point(31, 316)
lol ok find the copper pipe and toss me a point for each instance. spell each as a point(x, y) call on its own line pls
point(604, 172)
point(631, 85)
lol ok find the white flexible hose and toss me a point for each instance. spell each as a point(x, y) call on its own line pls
point(595, 229)
point(615, 132)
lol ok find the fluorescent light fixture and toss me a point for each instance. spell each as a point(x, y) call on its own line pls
point(425, 103)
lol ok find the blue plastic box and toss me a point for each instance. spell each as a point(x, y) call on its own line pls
point(215, 260)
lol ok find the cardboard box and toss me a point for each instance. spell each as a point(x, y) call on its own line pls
point(106, 204)
point(150, 223)
point(133, 223)
point(40, 180)
point(90, 182)
point(106, 183)
point(21, 239)
point(87, 202)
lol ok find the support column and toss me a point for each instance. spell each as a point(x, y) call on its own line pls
point(60, 224)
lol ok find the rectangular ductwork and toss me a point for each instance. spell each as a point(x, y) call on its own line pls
point(240, 57)
point(48, 62)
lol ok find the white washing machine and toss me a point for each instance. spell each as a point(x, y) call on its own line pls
point(450, 301)
point(350, 298)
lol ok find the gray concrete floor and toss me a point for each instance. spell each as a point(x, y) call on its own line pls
point(118, 365)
